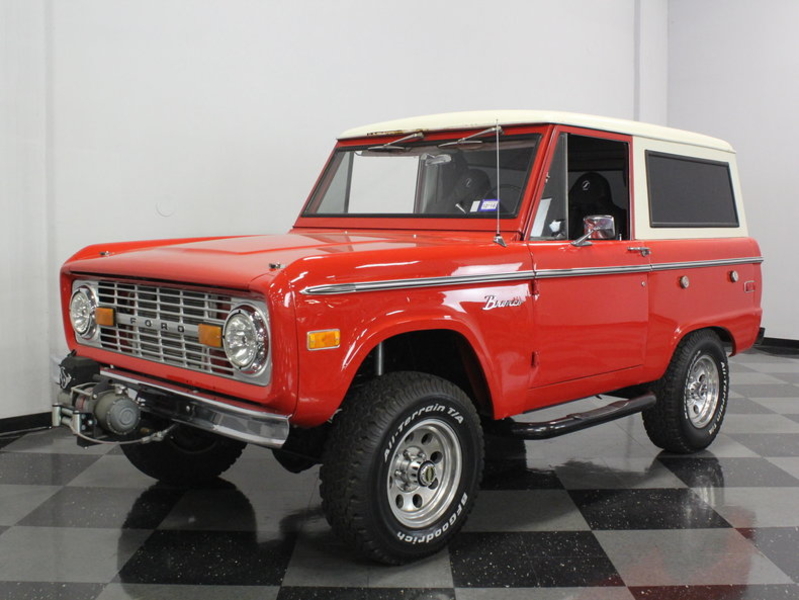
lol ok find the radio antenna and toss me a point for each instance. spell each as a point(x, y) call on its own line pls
point(498, 237)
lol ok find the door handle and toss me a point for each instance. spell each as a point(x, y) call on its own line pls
point(642, 249)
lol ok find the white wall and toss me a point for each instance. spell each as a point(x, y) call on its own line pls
point(734, 73)
point(174, 118)
point(651, 88)
point(220, 114)
point(24, 269)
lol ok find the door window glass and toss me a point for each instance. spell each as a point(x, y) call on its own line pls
point(588, 176)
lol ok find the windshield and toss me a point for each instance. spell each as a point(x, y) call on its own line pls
point(438, 179)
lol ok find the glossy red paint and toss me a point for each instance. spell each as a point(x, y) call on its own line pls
point(540, 336)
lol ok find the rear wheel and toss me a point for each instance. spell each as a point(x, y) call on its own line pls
point(187, 456)
point(692, 396)
point(402, 465)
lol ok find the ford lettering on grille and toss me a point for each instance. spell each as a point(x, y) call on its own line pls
point(166, 326)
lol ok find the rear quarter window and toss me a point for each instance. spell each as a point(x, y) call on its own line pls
point(689, 192)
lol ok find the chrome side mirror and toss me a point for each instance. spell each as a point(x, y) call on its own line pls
point(596, 227)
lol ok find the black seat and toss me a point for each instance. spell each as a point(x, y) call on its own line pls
point(471, 184)
point(591, 195)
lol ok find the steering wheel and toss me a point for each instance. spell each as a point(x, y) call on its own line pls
point(494, 193)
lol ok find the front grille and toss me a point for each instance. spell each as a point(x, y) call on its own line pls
point(161, 324)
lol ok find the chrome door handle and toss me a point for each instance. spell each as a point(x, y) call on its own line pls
point(642, 249)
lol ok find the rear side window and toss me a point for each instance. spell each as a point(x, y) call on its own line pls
point(689, 192)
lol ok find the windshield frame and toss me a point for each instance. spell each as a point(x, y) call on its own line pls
point(424, 221)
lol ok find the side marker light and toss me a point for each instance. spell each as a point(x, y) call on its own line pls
point(319, 340)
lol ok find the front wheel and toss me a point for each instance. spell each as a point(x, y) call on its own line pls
point(187, 456)
point(401, 467)
point(691, 396)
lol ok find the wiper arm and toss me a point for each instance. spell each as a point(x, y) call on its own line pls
point(472, 139)
point(393, 147)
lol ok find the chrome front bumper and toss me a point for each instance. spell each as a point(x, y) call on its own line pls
point(190, 407)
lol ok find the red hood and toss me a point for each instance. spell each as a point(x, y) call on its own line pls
point(225, 262)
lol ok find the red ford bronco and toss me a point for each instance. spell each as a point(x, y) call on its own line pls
point(447, 272)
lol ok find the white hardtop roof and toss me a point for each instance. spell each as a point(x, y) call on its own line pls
point(489, 118)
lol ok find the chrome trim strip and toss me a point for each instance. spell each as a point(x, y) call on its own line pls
point(210, 399)
point(446, 281)
point(698, 264)
point(591, 271)
point(212, 413)
point(421, 282)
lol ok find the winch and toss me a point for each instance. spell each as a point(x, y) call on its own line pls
point(95, 408)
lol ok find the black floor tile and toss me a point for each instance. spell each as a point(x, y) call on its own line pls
point(728, 472)
point(110, 508)
point(344, 593)
point(26, 590)
point(717, 592)
point(411, 594)
point(42, 468)
point(530, 559)
point(780, 545)
point(322, 593)
point(208, 558)
point(770, 444)
point(7, 439)
point(634, 509)
point(506, 467)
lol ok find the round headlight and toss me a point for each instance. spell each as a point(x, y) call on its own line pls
point(245, 339)
point(81, 312)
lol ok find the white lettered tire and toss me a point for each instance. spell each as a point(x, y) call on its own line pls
point(691, 396)
point(402, 466)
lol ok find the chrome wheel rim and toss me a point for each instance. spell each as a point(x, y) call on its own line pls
point(424, 472)
point(702, 391)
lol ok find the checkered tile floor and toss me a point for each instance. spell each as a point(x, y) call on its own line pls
point(599, 514)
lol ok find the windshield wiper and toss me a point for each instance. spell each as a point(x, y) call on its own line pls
point(472, 139)
point(393, 147)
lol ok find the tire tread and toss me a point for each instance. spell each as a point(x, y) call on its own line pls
point(357, 428)
point(663, 421)
point(167, 463)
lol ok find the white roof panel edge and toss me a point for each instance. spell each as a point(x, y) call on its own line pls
point(489, 118)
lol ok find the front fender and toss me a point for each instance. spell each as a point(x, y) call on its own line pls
point(367, 319)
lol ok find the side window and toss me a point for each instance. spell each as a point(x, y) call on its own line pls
point(689, 192)
point(588, 176)
point(551, 218)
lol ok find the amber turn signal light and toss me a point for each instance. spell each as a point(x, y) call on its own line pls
point(210, 335)
point(105, 317)
point(329, 338)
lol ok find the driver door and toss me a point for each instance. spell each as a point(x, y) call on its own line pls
point(590, 299)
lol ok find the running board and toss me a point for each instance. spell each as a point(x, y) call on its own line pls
point(575, 422)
